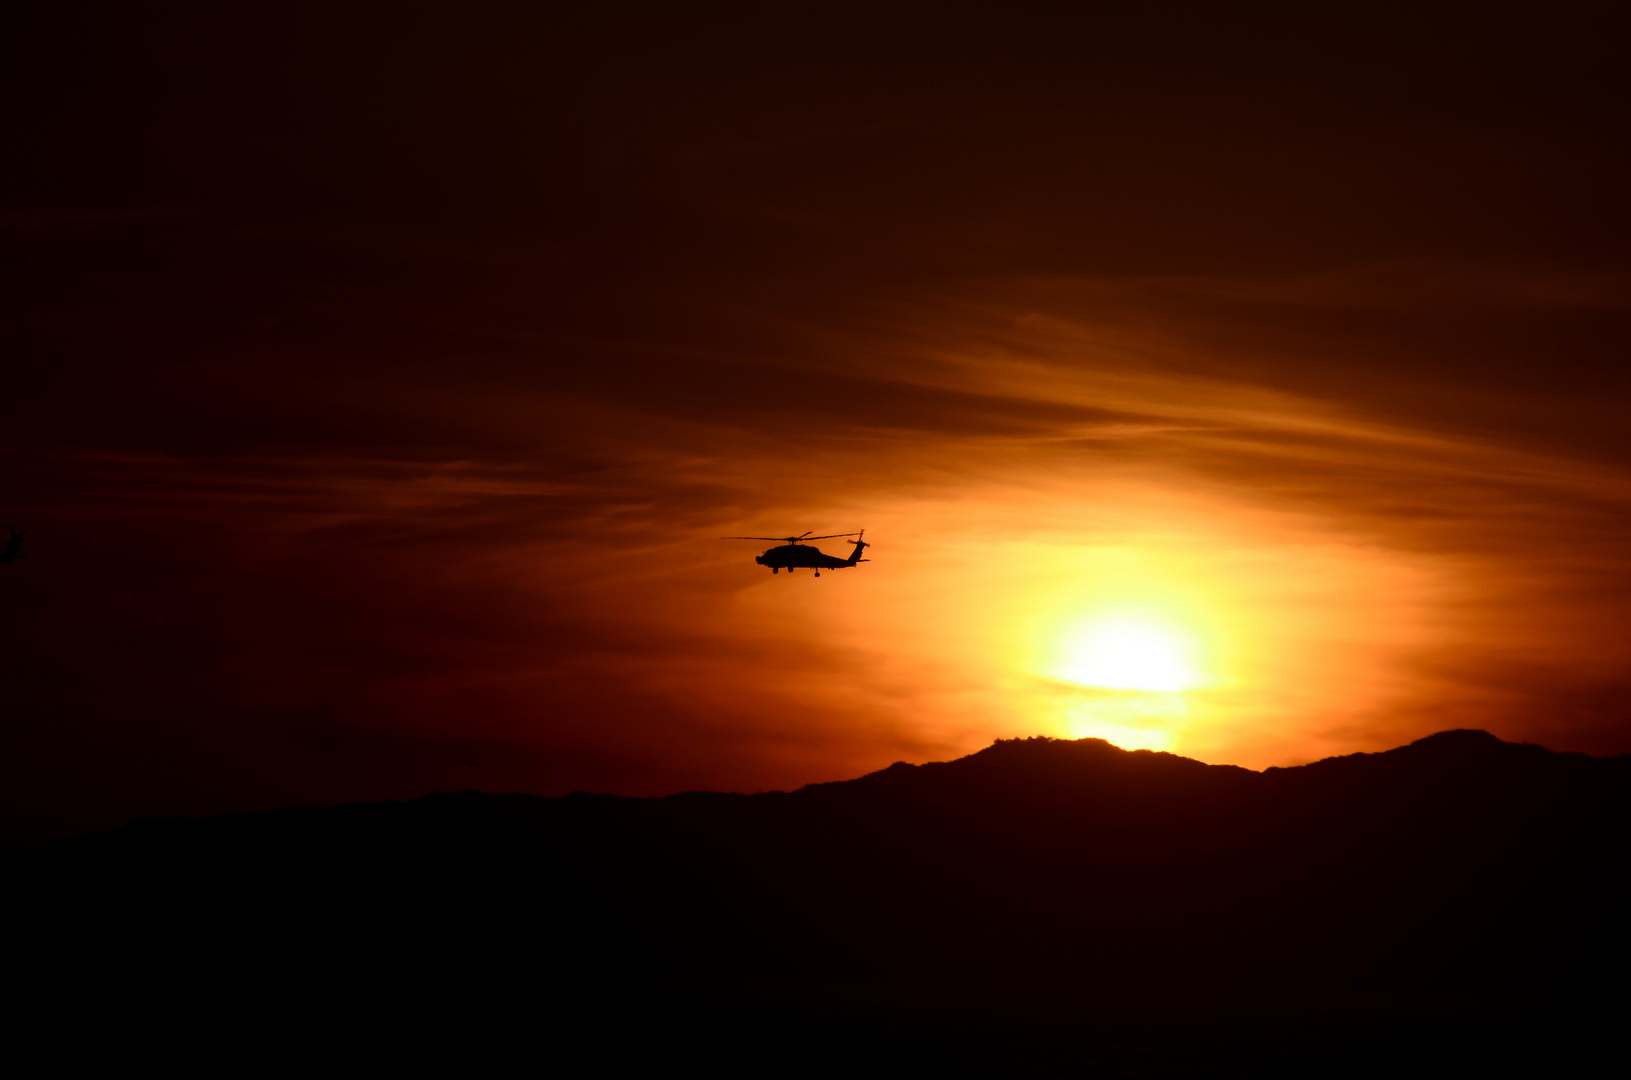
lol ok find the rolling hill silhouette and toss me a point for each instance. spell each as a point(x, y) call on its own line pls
point(1459, 875)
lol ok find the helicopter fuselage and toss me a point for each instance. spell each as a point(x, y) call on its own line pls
point(789, 556)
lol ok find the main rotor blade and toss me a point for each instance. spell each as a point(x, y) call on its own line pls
point(793, 539)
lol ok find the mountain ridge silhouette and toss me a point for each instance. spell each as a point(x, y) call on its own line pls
point(1036, 872)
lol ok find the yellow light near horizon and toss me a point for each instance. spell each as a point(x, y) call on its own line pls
point(1126, 737)
point(1132, 719)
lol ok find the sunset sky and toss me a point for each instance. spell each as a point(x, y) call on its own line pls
point(1246, 381)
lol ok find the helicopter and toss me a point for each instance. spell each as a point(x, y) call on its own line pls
point(792, 552)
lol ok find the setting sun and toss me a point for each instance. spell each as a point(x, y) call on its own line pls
point(1127, 653)
point(1132, 672)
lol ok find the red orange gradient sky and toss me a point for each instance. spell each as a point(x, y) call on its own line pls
point(1248, 383)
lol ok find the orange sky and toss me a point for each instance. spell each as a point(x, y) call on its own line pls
point(1249, 388)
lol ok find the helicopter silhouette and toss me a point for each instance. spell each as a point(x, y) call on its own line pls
point(793, 553)
point(13, 547)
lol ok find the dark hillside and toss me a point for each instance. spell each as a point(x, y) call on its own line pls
point(1091, 868)
point(1459, 871)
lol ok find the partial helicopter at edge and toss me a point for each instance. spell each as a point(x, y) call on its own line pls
point(13, 547)
point(793, 552)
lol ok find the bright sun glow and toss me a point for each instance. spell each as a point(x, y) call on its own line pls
point(1126, 668)
point(1131, 669)
point(1157, 622)
point(1126, 653)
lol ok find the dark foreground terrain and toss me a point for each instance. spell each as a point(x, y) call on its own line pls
point(1041, 908)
